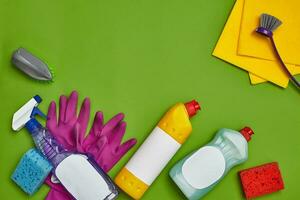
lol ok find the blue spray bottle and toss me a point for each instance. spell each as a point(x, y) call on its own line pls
point(200, 171)
point(78, 173)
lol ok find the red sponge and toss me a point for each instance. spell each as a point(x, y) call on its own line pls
point(261, 180)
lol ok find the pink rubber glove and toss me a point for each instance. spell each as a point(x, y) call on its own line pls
point(103, 142)
point(62, 129)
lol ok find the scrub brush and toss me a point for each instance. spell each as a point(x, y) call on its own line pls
point(268, 24)
point(31, 65)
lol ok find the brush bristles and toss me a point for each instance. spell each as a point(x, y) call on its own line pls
point(269, 22)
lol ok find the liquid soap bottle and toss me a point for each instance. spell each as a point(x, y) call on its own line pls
point(200, 171)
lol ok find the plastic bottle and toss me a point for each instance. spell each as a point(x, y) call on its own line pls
point(78, 173)
point(200, 171)
point(156, 151)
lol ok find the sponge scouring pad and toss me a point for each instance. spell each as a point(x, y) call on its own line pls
point(261, 180)
point(31, 171)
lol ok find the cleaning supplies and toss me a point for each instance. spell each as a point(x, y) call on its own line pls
point(78, 173)
point(229, 43)
point(160, 146)
point(31, 65)
point(261, 180)
point(31, 171)
point(287, 37)
point(200, 171)
point(268, 24)
point(103, 141)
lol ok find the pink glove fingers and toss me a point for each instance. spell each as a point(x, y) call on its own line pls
point(126, 146)
point(62, 109)
point(98, 147)
point(51, 123)
point(51, 117)
point(98, 124)
point(78, 138)
point(83, 118)
point(71, 106)
point(108, 163)
point(117, 134)
point(111, 124)
point(95, 130)
point(56, 186)
point(58, 195)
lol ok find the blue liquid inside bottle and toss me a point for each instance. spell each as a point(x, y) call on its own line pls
point(78, 173)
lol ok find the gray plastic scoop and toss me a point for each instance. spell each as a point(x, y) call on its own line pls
point(31, 65)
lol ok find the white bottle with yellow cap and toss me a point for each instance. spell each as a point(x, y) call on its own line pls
point(156, 151)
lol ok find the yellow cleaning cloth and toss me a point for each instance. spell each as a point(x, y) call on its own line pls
point(255, 79)
point(227, 45)
point(286, 36)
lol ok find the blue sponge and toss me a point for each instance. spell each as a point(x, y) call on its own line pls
point(31, 171)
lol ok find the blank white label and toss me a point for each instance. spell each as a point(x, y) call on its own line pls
point(81, 179)
point(153, 156)
point(204, 167)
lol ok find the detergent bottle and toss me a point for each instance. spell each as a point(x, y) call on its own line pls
point(200, 171)
point(156, 151)
point(78, 173)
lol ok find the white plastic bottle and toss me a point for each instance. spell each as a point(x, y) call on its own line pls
point(156, 151)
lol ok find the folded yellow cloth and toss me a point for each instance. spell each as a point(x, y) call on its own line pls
point(254, 79)
point(286, 36)
point(227, 45)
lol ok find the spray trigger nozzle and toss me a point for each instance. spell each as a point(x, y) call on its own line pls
point(26, 113)
point(37, 111)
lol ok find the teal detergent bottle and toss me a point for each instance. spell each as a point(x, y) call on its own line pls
point(201, 170)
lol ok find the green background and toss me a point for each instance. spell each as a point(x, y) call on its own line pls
point(141, 57)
